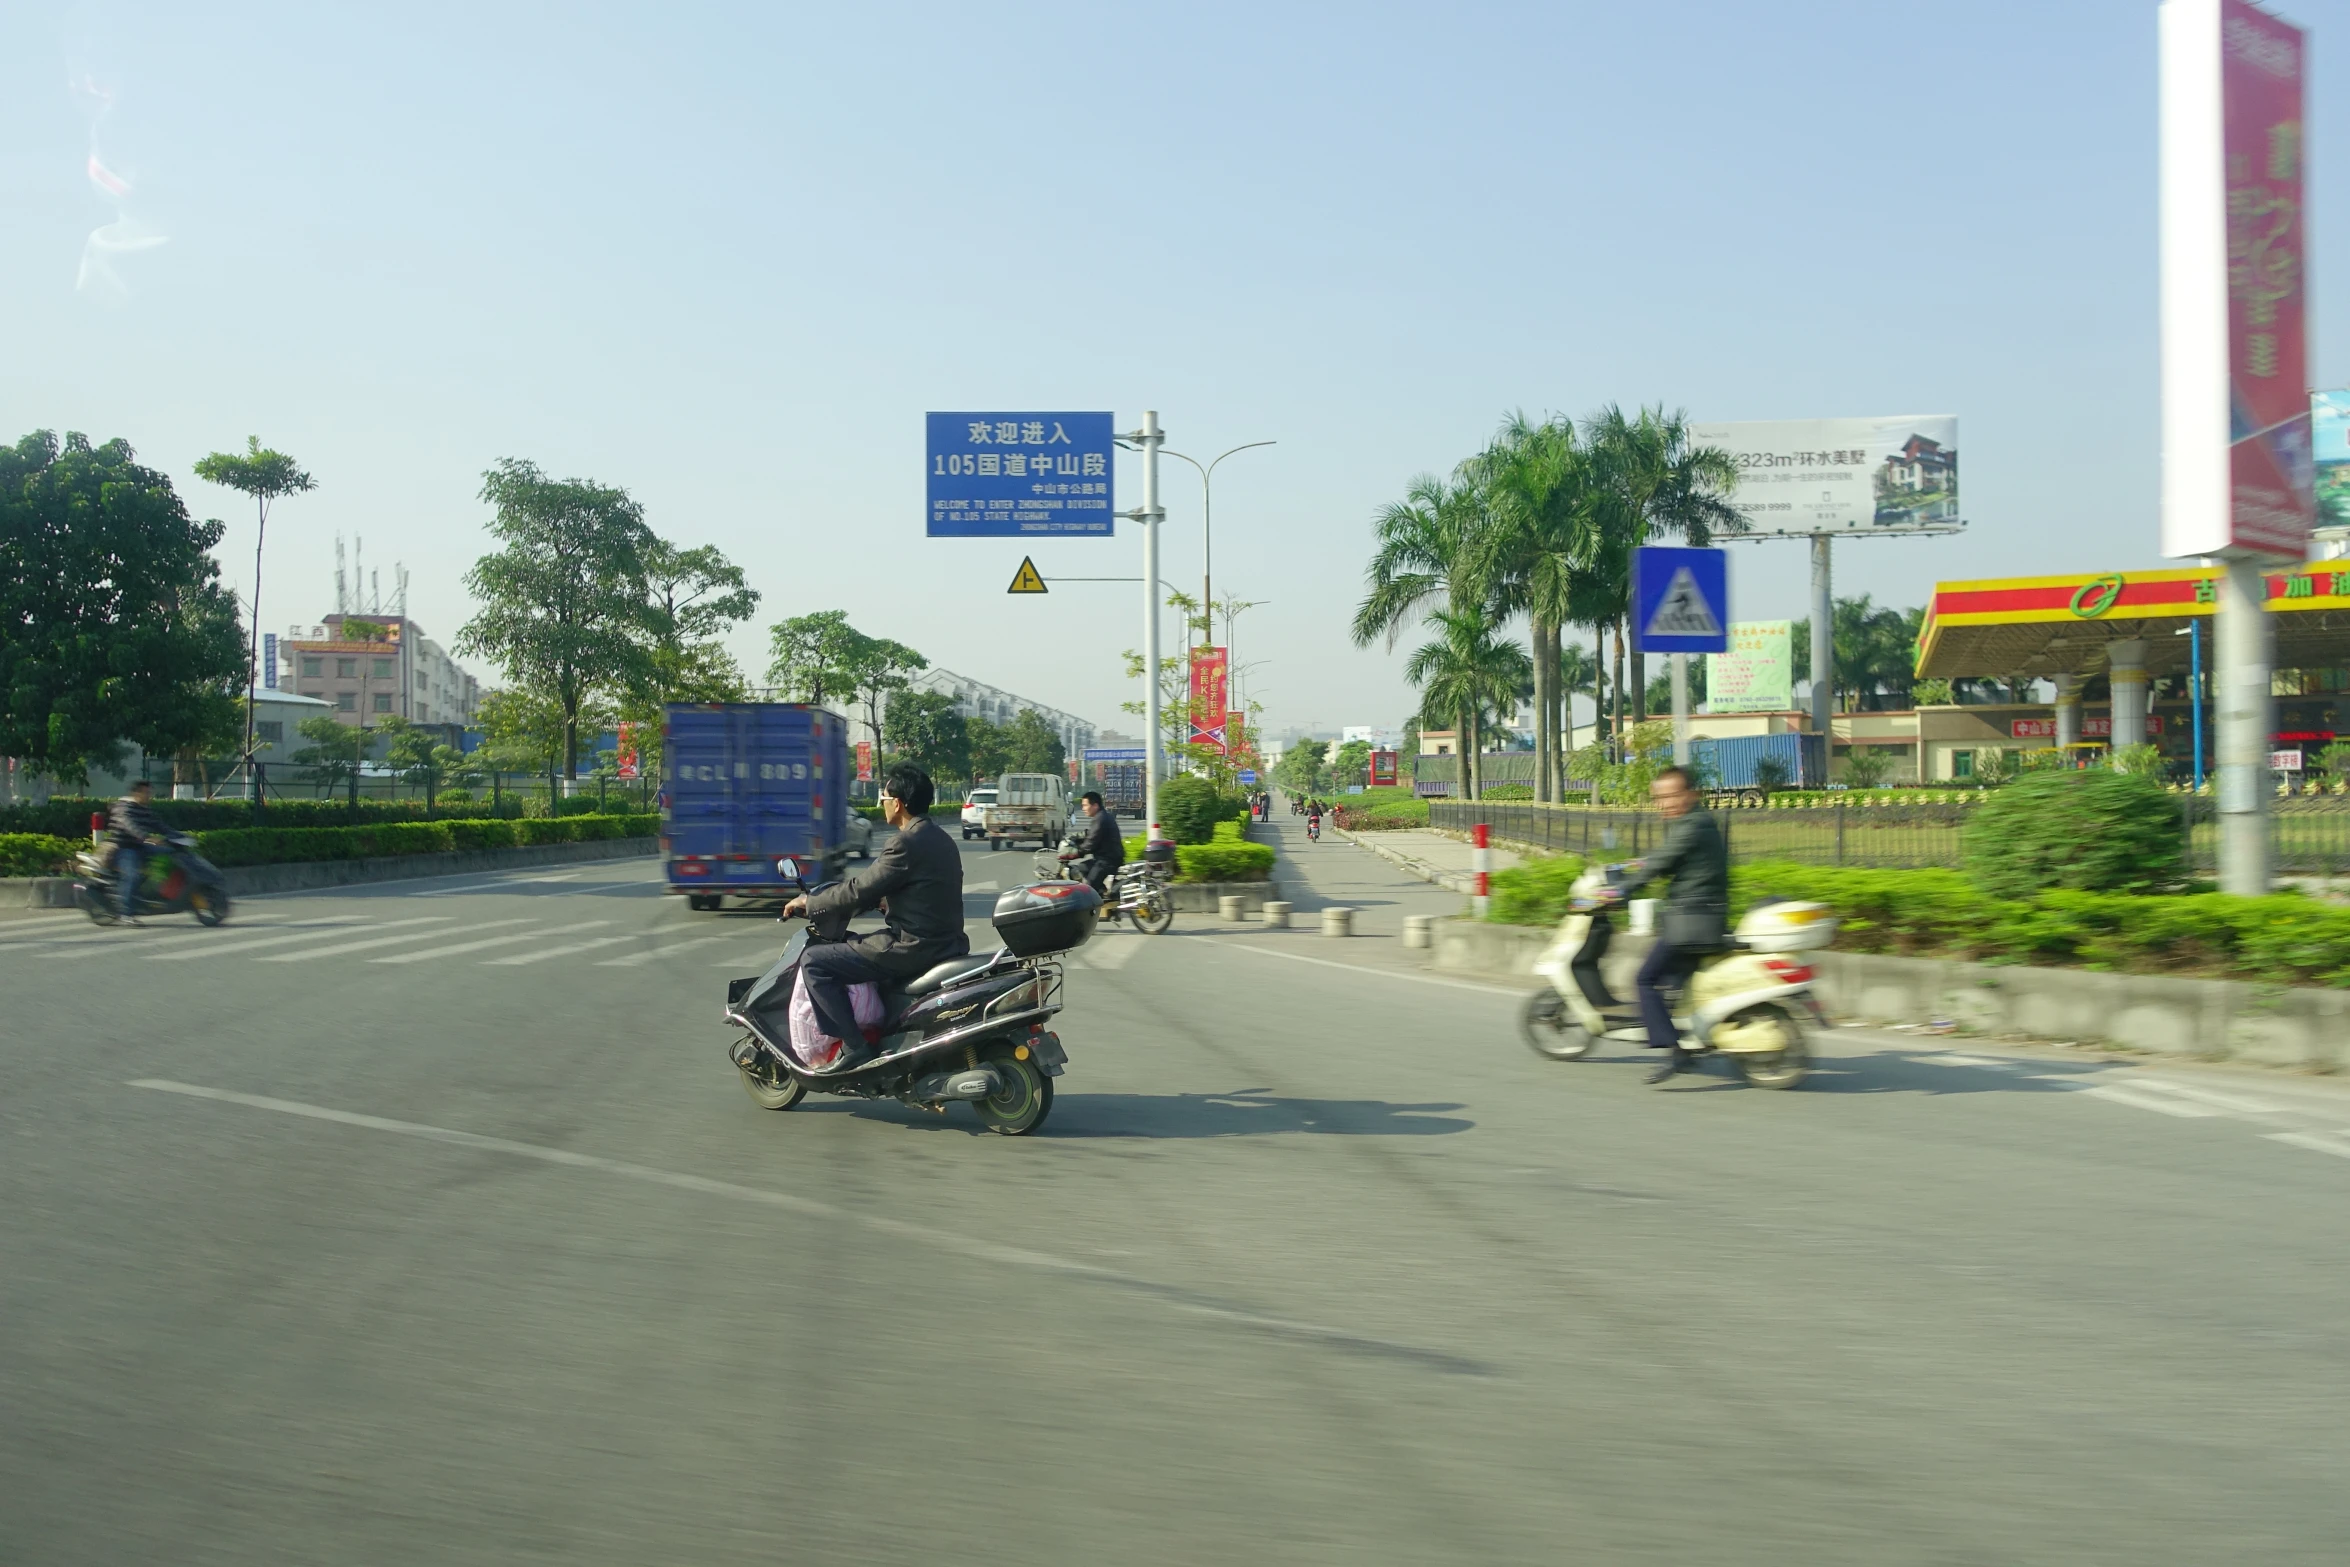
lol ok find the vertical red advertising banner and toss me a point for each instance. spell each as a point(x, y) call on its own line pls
point(864, 761)
point(624, 761)
point(1382, 769)
point(2238, 468)
point(1207, 697)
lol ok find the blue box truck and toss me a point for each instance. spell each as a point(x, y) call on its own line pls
point(744, 784)
point(1731, 766)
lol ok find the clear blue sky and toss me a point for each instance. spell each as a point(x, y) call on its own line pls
point(728, 256)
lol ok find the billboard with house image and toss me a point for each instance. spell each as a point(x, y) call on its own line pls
point(1897, 474)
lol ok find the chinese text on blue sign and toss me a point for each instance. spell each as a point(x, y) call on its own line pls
point(997, 475)
point(1680, 601)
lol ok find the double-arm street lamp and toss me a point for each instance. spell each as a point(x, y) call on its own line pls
point(1207, 516)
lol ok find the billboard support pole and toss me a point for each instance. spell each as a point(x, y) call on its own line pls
point(1149, 514)
point(1823, 641)
point(1680, 709)
point(2245, 645)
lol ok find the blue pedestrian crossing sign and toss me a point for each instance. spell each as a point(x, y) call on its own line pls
point(1680, 601)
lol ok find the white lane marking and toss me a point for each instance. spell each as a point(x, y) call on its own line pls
point(757, 960)
point(362, 946)
point(1116, 955)
point(2142, 1101)
point(1361, 968)
point(634, 958)
point(322, 928)
point(83, 935)
point(1173, 1297)
point(563, 951)
point(495, 881)
point(2235, 1102)
point(458, 949)
point(981, 886)
point(1953, 1058)
point(2333, 1145)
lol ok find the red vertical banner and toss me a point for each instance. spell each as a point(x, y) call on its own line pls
point(625, 763)
point(1208, 697)
point(2270, 466)
point(1382, 769)
point(864, 761)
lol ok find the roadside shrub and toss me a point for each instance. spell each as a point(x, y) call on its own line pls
point(2086, 831)
point(281, 845)
point(37, 854)
point(640, 824)
point(1382, 810)
point(1189, 808)
point(486, 832)
point(547, 829)
point(1534, 893)
point(2282, 938)
point(1226, 859)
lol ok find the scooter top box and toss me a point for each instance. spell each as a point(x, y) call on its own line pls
point(1787, 927)
point(1048, 916)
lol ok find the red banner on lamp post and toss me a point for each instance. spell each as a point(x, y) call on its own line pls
point(625, 764)
point(864, 761)
point(1208, 696)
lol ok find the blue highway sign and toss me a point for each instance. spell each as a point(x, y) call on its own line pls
point(999, 475)
point(1680, 601)
point(1114, 753)
point(1248, 775)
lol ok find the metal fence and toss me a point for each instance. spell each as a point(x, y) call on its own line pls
point(495, 792)
point(2307, 837)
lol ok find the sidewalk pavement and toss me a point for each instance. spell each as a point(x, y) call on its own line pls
point(1431, 856)
point(1334, 873)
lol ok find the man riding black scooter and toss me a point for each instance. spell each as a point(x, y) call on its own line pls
point(916, 880)
point(1103, 848)
point(135, 829)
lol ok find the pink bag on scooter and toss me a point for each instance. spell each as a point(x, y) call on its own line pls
point(817, 1049)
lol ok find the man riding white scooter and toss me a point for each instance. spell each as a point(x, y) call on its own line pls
point(1696, 912)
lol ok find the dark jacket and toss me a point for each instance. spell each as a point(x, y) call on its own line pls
point(1697, 860)
point(131, 822)
point(1103, 843)
point(919, 871)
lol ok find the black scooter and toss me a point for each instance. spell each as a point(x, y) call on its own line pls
point(972, 1029)
point(188, 881)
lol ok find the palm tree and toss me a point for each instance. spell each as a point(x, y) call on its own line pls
point(1427, 557)
point(1538, 485)
point(1468, 670)
point(1651, 484)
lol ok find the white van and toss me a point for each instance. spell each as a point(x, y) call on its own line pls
point(1028, 807)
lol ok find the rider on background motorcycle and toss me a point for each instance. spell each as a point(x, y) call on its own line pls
point(1696, 911)
point(134, 828)
point(916, 879)
point(1103, 847)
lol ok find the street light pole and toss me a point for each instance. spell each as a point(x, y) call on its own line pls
point(1207, 525)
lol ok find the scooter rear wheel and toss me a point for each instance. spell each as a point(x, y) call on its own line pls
point(1021, 1102)
point(1156, 913)
point(209, 907)
point(1781, 1068)
point(95, 904)
point(1550, 1031)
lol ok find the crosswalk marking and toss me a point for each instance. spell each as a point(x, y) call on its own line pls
point(634, 958)
point(2311, 1140)
point(556, 952)
point(2137, 1100)
point(231, 947)
point(463, 947)
point(1116, 955)
point(2235, 1102)
point(362, 946)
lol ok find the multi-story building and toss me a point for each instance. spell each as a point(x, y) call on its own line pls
point(364, 676)
point(977, 699)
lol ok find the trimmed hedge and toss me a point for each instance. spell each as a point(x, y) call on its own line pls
point(2282, 938)
point(1382, 810)
point(1534, 893)
point(37, 854)
point(288, 845)
point(1229, 856)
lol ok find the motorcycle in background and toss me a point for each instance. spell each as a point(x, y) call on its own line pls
point(1140, 890)
point(1741, 1002)
point(177, 878)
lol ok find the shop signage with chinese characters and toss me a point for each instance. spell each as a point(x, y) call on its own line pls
point(2092, 727)
point(1803, 476)
point(1007, 475)
point(1207, 697)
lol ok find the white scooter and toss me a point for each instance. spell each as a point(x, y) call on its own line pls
point(1742, 1002)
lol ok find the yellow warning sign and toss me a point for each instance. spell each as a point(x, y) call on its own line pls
point(1025, 580)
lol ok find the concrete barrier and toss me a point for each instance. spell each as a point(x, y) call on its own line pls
point(1231, 908)
point(1416, 932)
point(1207, 897)
point(1338, 922)
point(1276, 915)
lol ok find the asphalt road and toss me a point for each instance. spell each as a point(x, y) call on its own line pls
point(426, 1223)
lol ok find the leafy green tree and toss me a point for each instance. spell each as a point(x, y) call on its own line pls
point(266, 476)
point(1350, 765)
point(1651, 482)
point(1430, 563)
point(418, 759)
point(1033, 745)
point(924, 728)
point(1867, 766)
point(563, 602)
point(1470, 669)
point(691, 597)
point(1876, 654)
point(988, 747)
point(877, 670)
point(113, 624)
point(523, 731)
point(815, 656)
point(334, 754)
point(1299, 771)
point(1541, 492)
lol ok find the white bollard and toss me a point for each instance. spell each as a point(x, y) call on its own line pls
point(1419, 930)
point(1228, 907)
point(1338, 922)
point(1276, 915)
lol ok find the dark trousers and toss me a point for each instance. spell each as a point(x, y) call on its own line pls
point(828, 972)
point(1665, 965)
point(130, 865)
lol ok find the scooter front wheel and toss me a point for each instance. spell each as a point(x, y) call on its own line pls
point(769, 1085)
point(209, 905)
point(1549, 1030)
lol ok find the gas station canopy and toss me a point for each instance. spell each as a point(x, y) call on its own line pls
point(2048, 626)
